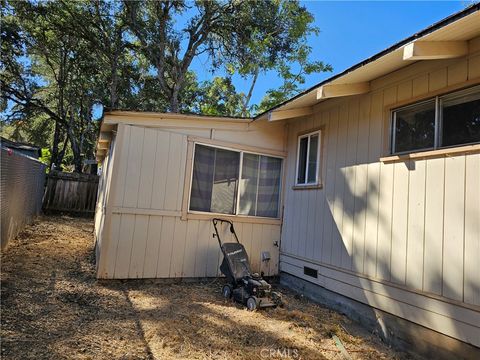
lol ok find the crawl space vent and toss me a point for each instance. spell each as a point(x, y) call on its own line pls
point(310, 272)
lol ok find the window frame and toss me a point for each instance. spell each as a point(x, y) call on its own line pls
point(437, 141)
point(308, 135)
point(241, 151)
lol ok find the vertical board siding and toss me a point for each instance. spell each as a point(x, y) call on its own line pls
point(137, 256)
point(160, 174)
point(350, 182)
point(151, 176)
point(453, 230)
point(148, 158)
point(329, 229)
point(153, 244)
point(433, 248)
point(399, 222)
point(338, 246)
point(472, 230)
point(414, 223)
point(415, 226)
point(319, 201)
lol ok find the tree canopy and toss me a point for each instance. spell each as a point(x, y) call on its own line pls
point(63, 61)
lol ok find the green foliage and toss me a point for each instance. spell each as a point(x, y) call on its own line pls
point(63, 60)
point(219, 97)
point(45, 156)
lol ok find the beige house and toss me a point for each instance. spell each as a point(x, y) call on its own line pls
point(365, 189)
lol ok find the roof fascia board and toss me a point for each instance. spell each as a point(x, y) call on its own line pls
point(434, 50)
point(289, 114)
point(174, 116)
point(338, 90)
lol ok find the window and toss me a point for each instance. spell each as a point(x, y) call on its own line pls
point(448, 120)
point(235, 182)
point(308, 159)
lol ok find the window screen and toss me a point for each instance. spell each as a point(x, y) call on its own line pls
point(215, 179)
point(216, 185)
point(308, 158)
point(260, 185)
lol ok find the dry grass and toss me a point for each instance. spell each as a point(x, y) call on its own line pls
point(53, 307)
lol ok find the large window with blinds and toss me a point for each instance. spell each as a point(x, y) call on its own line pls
point(228, 181)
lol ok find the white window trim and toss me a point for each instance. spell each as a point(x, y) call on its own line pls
point(437, 141)
point(238, 150)
point(317, 168)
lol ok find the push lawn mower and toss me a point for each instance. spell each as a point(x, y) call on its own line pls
point(244, 286)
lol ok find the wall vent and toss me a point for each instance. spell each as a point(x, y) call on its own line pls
point(310, 272)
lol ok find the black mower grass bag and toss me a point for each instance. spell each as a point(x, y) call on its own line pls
point(244, 286)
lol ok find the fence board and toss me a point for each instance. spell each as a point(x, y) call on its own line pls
point(71, 193)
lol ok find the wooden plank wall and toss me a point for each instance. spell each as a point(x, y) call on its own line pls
point(147, 237)
point(411, 225)
point(71, 193)
point(103, 192)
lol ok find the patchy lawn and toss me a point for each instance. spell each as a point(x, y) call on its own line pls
point(53, 307)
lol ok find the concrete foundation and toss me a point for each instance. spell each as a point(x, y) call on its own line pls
point(399, 333)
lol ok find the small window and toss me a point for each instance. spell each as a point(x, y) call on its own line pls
point(235, 182)
point(443, 121)
point(308, 156)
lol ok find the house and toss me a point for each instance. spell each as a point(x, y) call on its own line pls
point(369, 183)
point(21, 148)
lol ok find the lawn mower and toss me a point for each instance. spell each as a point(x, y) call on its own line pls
point(244, 286)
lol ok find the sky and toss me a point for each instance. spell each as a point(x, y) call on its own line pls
point(351, 31)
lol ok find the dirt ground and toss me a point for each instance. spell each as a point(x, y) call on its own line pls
point(53, 307)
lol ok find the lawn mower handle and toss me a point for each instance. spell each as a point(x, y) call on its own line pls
point(216, 234)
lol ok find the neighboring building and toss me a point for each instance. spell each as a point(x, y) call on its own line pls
point(370, 181)
point(22, 148)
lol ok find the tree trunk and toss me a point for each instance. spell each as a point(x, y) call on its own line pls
point(56, 140)
point(61, 154)
point(174, 103)
point(77, 156)
point(250, 92)
point(114, 81)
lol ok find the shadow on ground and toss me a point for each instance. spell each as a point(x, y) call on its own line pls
point(53, 307)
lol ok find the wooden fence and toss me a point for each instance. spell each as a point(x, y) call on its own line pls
point(70, 193)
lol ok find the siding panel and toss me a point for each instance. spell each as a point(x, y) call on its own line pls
point(472, 230)
point(124, 246)
point(147, 169)
point(338, 247)
point(350, 182)
point(160, 174)
point(433, 255)
point(329, 186)
point(134, 167)
point(453, 233)
point(152, 247)
point(139, 244)
point(415, 227)
point(399, 222)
